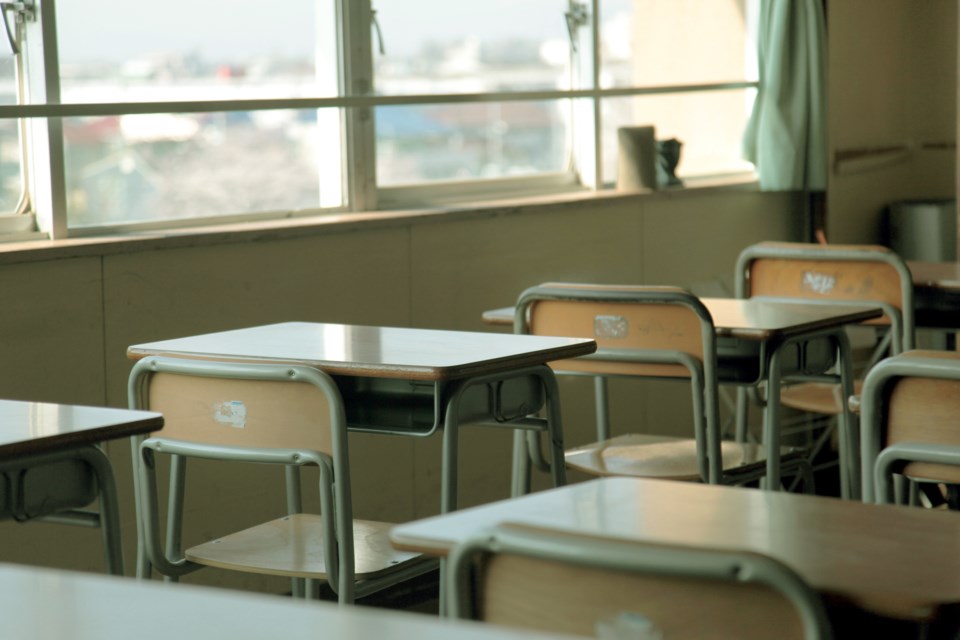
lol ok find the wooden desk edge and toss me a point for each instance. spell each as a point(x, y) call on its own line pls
point(503, 316)
point(73, 439)
point(583, 346)
point(435, 548)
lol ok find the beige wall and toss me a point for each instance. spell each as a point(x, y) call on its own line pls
point(892, 82)
point(70, 320)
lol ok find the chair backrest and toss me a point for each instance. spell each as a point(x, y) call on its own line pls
point(203, 403)
point(837, 273)
point(909, 408)
point(634, 326)
point(563, 582)
point(277, 414)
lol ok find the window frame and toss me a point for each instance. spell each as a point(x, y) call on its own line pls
point(356, 102)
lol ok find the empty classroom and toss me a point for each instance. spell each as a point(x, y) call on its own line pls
point(364, 168)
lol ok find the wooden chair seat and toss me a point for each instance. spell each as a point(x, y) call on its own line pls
point(651, 456)
point(294, 546)
point(816, 397)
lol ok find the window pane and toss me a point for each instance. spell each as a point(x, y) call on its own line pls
point(670, 42)
point(172, 166)
point(11, 184)
point(709, 124)
point(417, 144)
point(471, 47)
point(124, 51)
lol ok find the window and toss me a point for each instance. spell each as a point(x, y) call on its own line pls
point(126, 116)
point(11, 181)
point(491, 47)
point(123, 168)
point(705, 52)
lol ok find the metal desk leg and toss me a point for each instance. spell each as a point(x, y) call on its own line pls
point(520, 479)
point(178, 476)
point(743, 411)
point(109, 507)
point(527, 450)
point(771, 422)
point(601, 397)
point(848, 436)
point(558, 466)
point(299, 587)
point(444, 597)
point(523, 425)
point(144, 568)
point(450, 453)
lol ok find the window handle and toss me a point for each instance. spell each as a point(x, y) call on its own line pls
point(22, 11)
point(576, 16)
point(376, 27)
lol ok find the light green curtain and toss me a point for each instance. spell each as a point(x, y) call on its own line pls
point(786, 137)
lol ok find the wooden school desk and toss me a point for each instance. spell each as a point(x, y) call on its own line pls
point(40, 604)
point(49, 463)
point(409, 381)
point(765, 339)
point(894, 561)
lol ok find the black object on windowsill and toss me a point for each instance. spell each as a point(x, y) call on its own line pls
point(668, 157)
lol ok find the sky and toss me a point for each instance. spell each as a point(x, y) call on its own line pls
point(113, 30)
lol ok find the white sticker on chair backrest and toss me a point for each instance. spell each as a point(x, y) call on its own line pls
point(818, 282)
point(232, 413)
point(615, 327)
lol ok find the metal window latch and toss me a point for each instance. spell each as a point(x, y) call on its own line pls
point(576, 16)
point(23, 11)
point(376, 26)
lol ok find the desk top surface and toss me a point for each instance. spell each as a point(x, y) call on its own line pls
point(33, 427)
point(943, 276)
point(40, 604)
point(758, 318)
point(894, 560)
point(386, 352)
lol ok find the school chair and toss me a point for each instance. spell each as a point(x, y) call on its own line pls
point(286, 416)
point(909, 409)
point(534, 578)
point(647, 332)
point(829, 274)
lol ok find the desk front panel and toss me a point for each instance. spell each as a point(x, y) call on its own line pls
point(418, 407)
